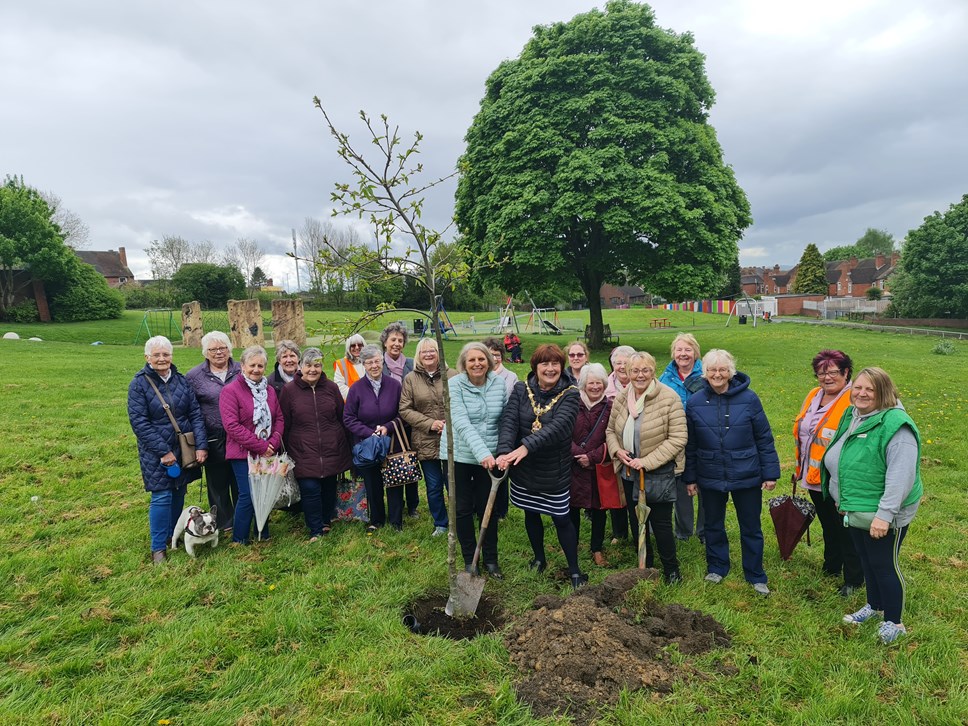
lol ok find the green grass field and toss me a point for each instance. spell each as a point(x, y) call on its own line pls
point(292, 633)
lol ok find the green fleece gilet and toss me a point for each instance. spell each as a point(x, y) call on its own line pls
point(862, 468)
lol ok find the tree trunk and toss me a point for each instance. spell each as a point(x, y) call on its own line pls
point(591, 285)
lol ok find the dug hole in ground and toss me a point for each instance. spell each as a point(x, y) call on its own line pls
point(576, 654)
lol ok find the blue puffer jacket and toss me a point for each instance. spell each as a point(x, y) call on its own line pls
point(730, 442)
point(476, 415)
point(153, 429)
point(692, 384)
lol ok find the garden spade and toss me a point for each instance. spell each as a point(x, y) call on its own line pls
point(642, 512)
point(466, 592)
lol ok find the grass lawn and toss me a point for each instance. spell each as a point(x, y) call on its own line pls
point(292, 633)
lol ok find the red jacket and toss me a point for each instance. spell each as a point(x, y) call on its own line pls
point(314, 436)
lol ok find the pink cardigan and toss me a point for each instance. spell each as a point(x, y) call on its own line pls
point(236, 405)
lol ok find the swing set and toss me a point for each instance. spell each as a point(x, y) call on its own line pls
point(158, 321)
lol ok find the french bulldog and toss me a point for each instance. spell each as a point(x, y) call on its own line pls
point(198, 526)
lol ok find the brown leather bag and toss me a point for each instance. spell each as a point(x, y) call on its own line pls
point(186, 441)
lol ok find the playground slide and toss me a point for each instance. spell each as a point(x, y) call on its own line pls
point(552, 328)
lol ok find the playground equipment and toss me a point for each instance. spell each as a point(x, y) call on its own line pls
point(542, 320)
point(443, 320)
point(158, 321)
point(507, 321)
point(745, 308)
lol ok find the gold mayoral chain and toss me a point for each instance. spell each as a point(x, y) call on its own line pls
point(540, 411)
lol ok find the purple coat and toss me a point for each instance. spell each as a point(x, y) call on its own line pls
point(236, 406)
point(584, 484)
point(208, 388)
point(365, 411)
point(314, 436)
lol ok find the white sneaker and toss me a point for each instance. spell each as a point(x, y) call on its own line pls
point(761, 588)
point(888, 632)
point(438, 531)
point(862, 615)
point(713, 578)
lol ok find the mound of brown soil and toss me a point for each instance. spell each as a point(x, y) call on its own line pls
point(578, 653)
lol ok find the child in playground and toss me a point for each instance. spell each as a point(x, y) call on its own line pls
point(512, 344)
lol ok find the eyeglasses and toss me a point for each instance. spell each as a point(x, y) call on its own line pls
point(221, 349)
point(159, 356)
point(640, 371)
point(576, 355)
point(356, 345)
point(830, 373)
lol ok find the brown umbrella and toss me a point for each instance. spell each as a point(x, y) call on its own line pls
point(791, 516)
point(642, 512)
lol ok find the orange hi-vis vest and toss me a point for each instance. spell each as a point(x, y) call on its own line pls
point(347, 369)
point(826, 428)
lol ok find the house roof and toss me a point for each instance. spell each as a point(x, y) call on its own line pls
point(107, 262)
point(631, 290)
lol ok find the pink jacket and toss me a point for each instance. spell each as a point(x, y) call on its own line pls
point(235, 405)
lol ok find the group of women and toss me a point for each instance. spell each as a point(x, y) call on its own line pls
point(573, 438)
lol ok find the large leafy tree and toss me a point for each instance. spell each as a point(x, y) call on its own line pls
point(870, 244)
point(811, 273)
point(212, 285)
point(592, 156)
point(933, 276)
point(29, 240)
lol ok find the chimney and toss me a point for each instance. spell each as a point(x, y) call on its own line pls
point(852, 263)
point(879, 261)
point(123, 256)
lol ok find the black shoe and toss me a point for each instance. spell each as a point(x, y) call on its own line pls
point(537, 565)
point(475, 571)
point(494, 570)
point(847, 590)
point(413, 514)
point(579, 580)
point(673, 578)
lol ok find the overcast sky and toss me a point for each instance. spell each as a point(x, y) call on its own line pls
point(196, 119)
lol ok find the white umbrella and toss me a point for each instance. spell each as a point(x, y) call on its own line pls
point(267, 474)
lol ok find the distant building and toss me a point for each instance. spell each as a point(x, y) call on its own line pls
point(621, 296)
point(112, 264)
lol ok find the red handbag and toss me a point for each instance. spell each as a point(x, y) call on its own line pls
point(610, 493)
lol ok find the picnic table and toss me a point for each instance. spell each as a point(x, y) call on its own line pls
point(660, 323)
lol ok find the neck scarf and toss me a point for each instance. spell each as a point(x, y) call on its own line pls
point(396, 366)
point(261, 417)
point(283, 376)
point(375, 383)
point(589, 403)
point(629, 439)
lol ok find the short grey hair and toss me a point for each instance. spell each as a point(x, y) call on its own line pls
point(286, 345)
point(370, 351)
point(158, 341)
point(253, 350)
point(394, 328)
point(216, 336)
point(621, 350)
point(474, 345)
point(311, 355)
point(717, 356)
point(591, 370)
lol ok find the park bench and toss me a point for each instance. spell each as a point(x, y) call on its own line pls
point(660, 323)
point(607, 336)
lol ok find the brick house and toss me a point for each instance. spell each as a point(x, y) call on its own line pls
point(620, 296)
point(113, 265)
point(853, 277)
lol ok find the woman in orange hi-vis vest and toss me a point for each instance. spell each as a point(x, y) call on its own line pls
point(349, 369)
point(813, 429)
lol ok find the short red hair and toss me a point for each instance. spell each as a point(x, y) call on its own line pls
point(547, 353)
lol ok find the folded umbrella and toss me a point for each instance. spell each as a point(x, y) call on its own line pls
point(267, 474)
point(791, 516)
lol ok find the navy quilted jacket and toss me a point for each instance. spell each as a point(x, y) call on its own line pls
point(730, 442)
point(153, 429)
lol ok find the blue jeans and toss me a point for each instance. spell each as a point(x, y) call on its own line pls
point(244, 512)
point(748, 504)
point(318, 502)
point(163, 512)
point(434, 478)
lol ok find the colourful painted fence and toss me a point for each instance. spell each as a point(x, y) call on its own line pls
point(700, 306)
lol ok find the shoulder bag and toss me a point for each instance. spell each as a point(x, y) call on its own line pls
point(610, 494)
point(186, 441)
point(401, 468)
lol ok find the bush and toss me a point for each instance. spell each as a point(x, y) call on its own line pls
point(85, 296)
point(25, 312)
point(874, 293)
point(138, 297)
point(944, 347)
point(212, 285)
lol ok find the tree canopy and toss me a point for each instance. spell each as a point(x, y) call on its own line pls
point(933, 278)
point(811, 273)
point(592, 156)
point(212, 285)
point(870, 244)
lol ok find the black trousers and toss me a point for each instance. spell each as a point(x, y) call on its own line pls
point(472, 487)
point(597, 517)
point(223, 489)
point(373, 481)
point(839, 553)
point(659, 524)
